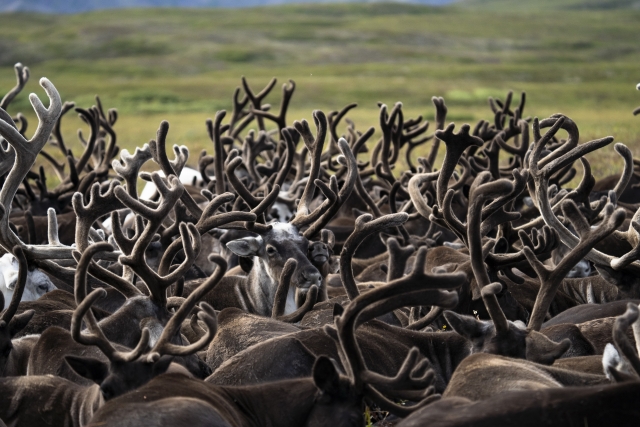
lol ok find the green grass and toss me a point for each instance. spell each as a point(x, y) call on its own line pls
point(572, 57)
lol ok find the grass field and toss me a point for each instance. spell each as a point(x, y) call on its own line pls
point(183, 65)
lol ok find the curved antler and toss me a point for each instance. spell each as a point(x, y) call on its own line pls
point(206, 314)
point(26, 152)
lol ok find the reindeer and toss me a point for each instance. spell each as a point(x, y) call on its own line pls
point(328, 397)
point(596, 405)
point(67, 403)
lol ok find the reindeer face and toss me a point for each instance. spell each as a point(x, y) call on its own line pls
point(271, 251)
point(37, 285)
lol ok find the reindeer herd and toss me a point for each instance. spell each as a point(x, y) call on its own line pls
point(337, 282)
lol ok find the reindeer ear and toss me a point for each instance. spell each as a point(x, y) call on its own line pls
point(88, 367)
point(161, 365)
point(247, 246)
point(325, 375)
point(11, 279)
point(328, 238)
point(541, 349)
point(467, 326)
point(19, 322)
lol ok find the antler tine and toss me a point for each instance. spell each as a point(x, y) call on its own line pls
point(415, 183)
point(417, 288)
point(407, 377)
point(281, 118)
point(291, 151)
point(80, 281)
point(238, 109)
point(52, 228)
point(129, 166)
point(207, 222)
point(398, 257)
point(256, 100)
point(8, 314)
point(235, 182)
point(84, 302)
point(428, 319)
point(22, 77)
point(441, 116)
point(310, 299)
point(336, 120)
point(520, 151)
point(99, 205)
point(551, 279)
point(280, 299)
point(91, 118)
point(482, 191)
point(83, 310)
point(258, 206)
point(632, 236)
point(364, 226)
point(571, 128)
point(620, 326)
point(386, 297)
point(490, 300)
point(109, 152)
point(156, 283)
point(158, 151)
point(57, 133)
point(387, 122)
point(627, 172)
point(315, 146)
point(541, 242)
point(215, 133)
point(26, 152)
point(456, 145)
point(342, 195)
point(542, 188)
point(207, 315)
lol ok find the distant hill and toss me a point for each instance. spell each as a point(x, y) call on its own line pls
point(542, 5)
point(77, 6)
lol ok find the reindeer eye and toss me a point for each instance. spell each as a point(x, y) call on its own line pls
point(271, 251)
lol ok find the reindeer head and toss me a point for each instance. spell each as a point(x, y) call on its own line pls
point(271, 250)
point(10, 323)
point(127, 370)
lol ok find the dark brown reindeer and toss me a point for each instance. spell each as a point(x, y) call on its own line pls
point(551, 279)
point(51, 400)
point(384, 347)
point(327, 398)
point(598, 405)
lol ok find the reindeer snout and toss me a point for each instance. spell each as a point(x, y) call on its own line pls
point(309, 277)
point(581, 269)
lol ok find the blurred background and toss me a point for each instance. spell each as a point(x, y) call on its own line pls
point(181, 60)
